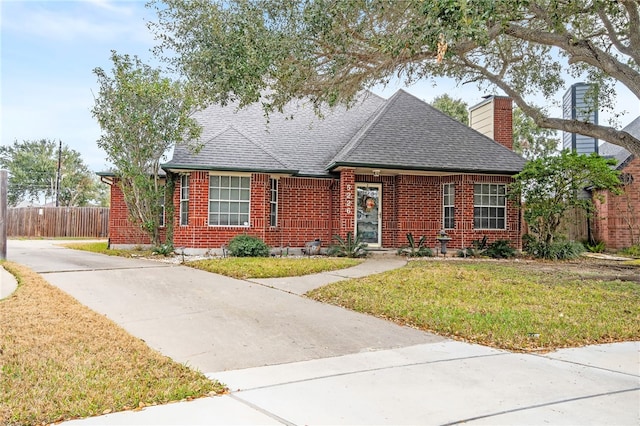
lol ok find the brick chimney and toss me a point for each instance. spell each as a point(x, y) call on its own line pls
point(493, 117)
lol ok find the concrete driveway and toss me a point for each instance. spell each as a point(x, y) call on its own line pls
point(289, 360)
point(208, 321)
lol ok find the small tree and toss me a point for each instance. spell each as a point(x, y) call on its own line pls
point(142, 115)
point(550, 186)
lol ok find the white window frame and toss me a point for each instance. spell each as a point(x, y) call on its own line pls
point(492, 198)
point(223, 195)
point(184, 200)
point(448, 205)
point(273, 202)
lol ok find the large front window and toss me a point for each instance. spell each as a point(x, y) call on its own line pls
point(229, 198)
point(489, 206)
point(448, 199)
point(184, 200)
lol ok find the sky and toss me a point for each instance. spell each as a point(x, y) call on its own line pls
point(49, 50)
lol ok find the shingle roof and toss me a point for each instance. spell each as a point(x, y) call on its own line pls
point(296, 138)
point(620, 154)
point(411, 134)
point(402, 132)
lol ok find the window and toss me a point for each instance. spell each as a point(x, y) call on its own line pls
point(161, 207)
point(448, 191)
point(229, 198)
point(184, 200)
point(489, 206)
point(273, 212)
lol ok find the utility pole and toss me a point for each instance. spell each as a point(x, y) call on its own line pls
point(58, 174)
point(3, 214)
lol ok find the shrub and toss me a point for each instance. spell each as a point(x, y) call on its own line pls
point(500, 249)
point(247, 246)
point(348, 247)
point(633, 251)
point(416, 249)
point(558, 250)
point(596, 247)
point(163, 249)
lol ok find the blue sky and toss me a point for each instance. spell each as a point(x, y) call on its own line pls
point(50, 48)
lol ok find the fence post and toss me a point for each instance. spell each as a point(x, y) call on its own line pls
point(3, 214)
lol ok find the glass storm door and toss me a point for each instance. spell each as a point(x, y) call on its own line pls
point(368, 213)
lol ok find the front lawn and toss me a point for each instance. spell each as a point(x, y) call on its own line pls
point(523, 306)
point(274, 267)
point(60, 360)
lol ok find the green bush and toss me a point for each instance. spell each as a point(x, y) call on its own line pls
point(596, 247)
point(163, 249)
point(416, 249)
point(247, 246)
point(500, 249)
point(558, 250)
point(633, 251)
point(348, 247)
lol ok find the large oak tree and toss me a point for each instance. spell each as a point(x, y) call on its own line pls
point(329, 50)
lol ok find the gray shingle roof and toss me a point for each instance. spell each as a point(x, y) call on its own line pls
point(402, 132)
point(620, 154)
point(411, 134)
point(297, 138)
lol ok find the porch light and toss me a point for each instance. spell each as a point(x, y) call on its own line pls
point(376, 173)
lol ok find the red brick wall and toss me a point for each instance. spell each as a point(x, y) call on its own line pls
point(503, 121)
point(311, 208)
point(617, 220)
point(121, 231)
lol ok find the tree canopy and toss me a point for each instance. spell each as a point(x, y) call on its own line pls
point(454, 108)
point(328, 50)
point(33, 174)
point(552, 185)
point(142, 115)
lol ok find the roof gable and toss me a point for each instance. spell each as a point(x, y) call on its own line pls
point(620, 154)
point(408, 133)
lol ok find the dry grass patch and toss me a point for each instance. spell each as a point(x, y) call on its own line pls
point(60, 360)
point(101, 247)
point(274, 267)
point(510, 305)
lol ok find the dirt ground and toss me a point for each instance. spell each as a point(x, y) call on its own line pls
point(590, 268)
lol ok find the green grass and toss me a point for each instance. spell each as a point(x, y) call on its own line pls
point(505, 305)
point(274, 267)
point(59, 360)
point(101, 247)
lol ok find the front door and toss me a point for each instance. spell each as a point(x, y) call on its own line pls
point(369, 213)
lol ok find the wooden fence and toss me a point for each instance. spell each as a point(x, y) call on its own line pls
point(49, 222)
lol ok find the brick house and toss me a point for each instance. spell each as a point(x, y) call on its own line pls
point(617, 219)
point(381, 169)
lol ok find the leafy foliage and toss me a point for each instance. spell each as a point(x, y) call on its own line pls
point(33, 171)
point(633, 251)
point(328, 51)
point(595, 247)
point(163, 249)
point(416, 249)
point(248, 246)
point(348, 247)
point(530, 140)
point(556, 250)
point(550, 186)
point(500, 249)
point(454, 108)
point(142, 115)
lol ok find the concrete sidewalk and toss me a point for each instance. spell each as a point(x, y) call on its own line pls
point(8, 283)
point(436, 383)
